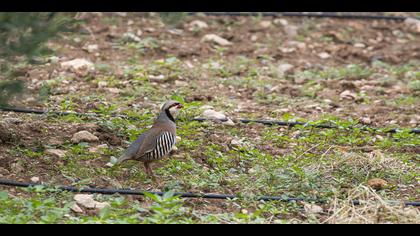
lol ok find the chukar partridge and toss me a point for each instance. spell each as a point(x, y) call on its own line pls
point(158, 141)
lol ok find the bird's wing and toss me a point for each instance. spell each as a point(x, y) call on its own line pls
point(131, 151)
point(145, 143)
point(148, 143)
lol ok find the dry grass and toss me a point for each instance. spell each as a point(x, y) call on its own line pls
point(372, 210)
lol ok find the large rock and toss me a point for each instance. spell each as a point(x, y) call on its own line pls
point(84, 136)
point(413, 24)
point(87, 201)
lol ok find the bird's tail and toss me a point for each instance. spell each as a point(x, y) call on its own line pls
point(122, 158)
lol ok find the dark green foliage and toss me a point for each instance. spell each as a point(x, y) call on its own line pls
point(24, 34)
point(173, 19)
point(9, 89)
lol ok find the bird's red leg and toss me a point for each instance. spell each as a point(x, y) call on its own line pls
point(149, 171)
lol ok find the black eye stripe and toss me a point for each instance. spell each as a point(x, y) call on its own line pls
point(173, 105)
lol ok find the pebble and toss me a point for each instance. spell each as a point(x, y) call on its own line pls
point(324, 55)
point(56, 152)
point(198, 24)
point(84, 136)
point(216, 39)
point(377, 183)
point(35, 179)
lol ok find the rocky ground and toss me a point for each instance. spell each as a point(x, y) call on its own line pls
point(339, 71)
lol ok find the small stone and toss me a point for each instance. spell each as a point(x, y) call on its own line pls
point(130, 37)
point(56, 152)
point(53, 59)
point(265, 24)
point(312, 208)
point(348, 95)
point(284, 68)
point(122, 14)
point(35, 179)
point(156, 78)
point(324, 55)
point(84, 136)
point(216, 39)
point(254, 38)
point(75, 208)
point(377, 184)
point(282, 110)
point(282, 22)
point(237, 142)
point(251, 171)
point(300, 45)
point(98, 149)
point(114, 90)
point(181, 83)
point(244, 211)
point(206, 107)
point(212, 114)
point(109, 164)
point(229, 122)
point(92, 48)
point(291, 30)
point(150, 29)
point(198, 24)
point(287, 50)
point(366, 120)
point(102, 84)
point(175, 31)
point(359, 45)
point(139, 33)
point(79, 65)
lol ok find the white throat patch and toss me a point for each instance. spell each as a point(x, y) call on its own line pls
point(174, 111)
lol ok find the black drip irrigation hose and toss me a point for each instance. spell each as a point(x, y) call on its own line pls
point(13, 183)
point(245, 121)
point(308, 14)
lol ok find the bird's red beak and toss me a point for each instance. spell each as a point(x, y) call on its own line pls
point(179, 106)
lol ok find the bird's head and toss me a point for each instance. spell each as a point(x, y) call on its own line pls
point(172, 107)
